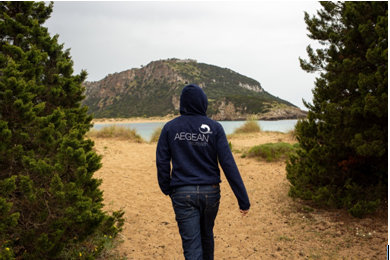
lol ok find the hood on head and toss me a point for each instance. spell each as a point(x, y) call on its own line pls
point(193, 101)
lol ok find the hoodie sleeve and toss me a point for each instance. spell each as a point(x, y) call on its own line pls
point(163, 162)
point(230, 169)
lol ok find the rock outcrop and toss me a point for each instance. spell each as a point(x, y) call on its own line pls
point(154, 90)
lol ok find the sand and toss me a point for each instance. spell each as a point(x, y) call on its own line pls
point(277, 227)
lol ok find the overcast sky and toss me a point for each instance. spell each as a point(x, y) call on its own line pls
point(261, 40)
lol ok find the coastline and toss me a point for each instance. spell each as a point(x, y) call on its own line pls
point(132, 120)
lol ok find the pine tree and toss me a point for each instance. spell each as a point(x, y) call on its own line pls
point(49, 199)
point(343, 157)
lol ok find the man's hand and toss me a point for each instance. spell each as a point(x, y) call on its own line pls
point(244, 212)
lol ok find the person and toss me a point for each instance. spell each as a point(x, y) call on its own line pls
point(194, 144)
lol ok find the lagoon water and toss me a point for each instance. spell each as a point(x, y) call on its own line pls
point(145, 130)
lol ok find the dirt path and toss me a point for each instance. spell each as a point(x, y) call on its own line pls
point(276, 228)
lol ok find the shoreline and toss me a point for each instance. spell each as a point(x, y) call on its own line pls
point(132, 120)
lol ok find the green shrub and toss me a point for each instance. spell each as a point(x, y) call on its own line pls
point(363, 207)
point(343, 160)
point(250, 126)
point(272, 151)
point(115, 131)
point(99, 245)
point(50, 201)
point(156, 135)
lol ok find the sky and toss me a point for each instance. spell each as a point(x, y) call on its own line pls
point(261, 40)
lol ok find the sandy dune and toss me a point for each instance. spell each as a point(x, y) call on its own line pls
point(277, 227)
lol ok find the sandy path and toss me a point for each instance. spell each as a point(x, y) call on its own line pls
point(276, 228)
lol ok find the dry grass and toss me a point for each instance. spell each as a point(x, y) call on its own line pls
point(292, 135)
point(250, 126)
point(156, 135)
point(118, 132)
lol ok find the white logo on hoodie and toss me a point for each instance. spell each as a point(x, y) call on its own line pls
point(205, 129)
point(201, 138)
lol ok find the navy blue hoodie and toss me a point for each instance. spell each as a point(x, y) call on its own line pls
point(195, 143)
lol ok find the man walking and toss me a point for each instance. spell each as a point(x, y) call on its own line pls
point(194, 144)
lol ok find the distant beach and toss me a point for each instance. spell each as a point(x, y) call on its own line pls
point(146, 126)
point(132, 120)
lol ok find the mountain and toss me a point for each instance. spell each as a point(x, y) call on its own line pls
point(154, 90)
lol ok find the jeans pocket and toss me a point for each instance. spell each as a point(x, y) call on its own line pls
point(183, 205)
point(212, 200)
point(181, 200)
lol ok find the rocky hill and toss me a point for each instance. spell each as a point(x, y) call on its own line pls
point(154, 90)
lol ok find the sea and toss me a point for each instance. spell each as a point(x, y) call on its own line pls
point(145, 130)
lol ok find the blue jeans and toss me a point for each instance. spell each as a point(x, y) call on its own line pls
point(196, 207)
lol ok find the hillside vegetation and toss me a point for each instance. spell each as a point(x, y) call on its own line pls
point(154, 90)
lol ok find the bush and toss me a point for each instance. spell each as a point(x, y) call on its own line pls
point(99, 245)
point(272, 151)
point(343, 160)
point(250, 126)
point(119, 132)
point(363, 207)
point(49, 200)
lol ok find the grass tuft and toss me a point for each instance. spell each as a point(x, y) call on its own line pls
point(156, 135)
point(272, 151)
point(250, 126)
point(118, 132)
point(292, 134)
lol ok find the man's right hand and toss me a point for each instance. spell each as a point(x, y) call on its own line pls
point(244, 212)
